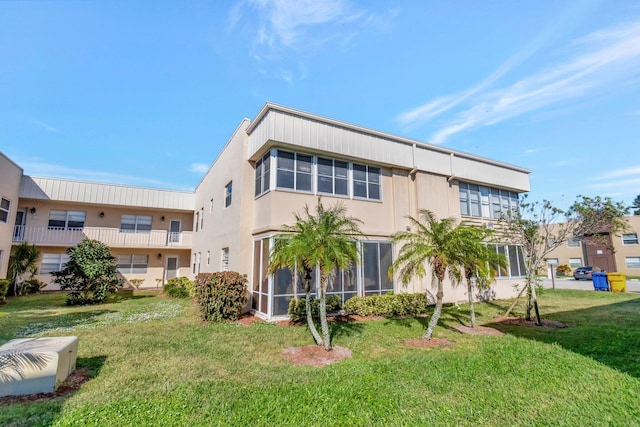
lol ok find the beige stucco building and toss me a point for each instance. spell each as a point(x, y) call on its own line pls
point(625, 257)
point(270, 168)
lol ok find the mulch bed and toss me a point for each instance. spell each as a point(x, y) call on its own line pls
point(70, 385)
point(314, 355)
point(521, 321)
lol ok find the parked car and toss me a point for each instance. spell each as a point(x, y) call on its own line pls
point(583, 273)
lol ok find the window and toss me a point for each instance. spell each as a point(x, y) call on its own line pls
point(263, 175)
point(224, 259)
point(133, 264)
point(197, 220)
point(135, 223)
point(228, 190)
point(575, 262)
point(198, 263)
point(366, 182)
point(630, 239)
point(53, 262)
point(202, 219)
point(5, 206)
point(632, 261)
point(208, 257)
point(515, 261)
point(293, 171)
point(333, 176)
point(66, 220)
point(376, 260)
point(210, 205)
point(194, 264)
point(485, 202)
point(573, 243)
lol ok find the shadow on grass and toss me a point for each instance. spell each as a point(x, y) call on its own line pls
point(609, 334)
point(130, 294)
point(345, 328)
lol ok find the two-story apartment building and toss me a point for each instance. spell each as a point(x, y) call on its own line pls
point(612, 253)
point(270, 168)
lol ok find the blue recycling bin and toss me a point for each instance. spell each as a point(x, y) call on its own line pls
point(600, 282)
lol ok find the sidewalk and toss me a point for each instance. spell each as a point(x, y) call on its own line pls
point(587, 285)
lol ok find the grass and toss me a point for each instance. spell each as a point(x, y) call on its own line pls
point(154, 363)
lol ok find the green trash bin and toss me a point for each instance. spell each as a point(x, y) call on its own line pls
point(617, 281)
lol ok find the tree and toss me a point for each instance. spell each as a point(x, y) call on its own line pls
point(636, 205)
point(480, 261)
point(23, 261)
point(540, 227)
point(326, 240)
point(434, 243)
point(90, 273)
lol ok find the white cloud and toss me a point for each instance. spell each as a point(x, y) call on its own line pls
point(37, 167)
point(45, 126)
point(199, 168)
point(616, 173)
point(599, 61)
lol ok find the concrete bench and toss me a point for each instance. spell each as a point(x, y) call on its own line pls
point(36, 365)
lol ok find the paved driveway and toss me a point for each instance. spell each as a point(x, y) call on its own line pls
point(587, 285)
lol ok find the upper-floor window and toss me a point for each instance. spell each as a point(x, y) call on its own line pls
point(366, 182)
point(486, 202)
point(5, 205)
point(293, 171)
point(630, 239)
point(333, 176)
point(228, 190)
point(574, 243)
point(263, 174)
point(197, 220)
point(135, 223)
point(66, 220)
point(224, 259)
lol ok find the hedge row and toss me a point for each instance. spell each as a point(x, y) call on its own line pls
point(298, 311)
point(388, 305)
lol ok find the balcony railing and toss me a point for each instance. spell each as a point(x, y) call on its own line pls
point(60, 236)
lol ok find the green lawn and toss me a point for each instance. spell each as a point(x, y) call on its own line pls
point(154, 363)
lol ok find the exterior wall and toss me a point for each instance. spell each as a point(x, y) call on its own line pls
point(10, 176)
point(226, 227)
point(622, 251)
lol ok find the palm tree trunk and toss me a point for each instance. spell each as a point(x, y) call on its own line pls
point(323, 312)
point(472, 312)
point(436, 312)
point(307, 303)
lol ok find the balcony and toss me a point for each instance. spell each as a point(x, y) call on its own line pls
point(113, 237)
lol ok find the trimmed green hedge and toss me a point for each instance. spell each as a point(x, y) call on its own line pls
point(4, 288)
point(388, 305)
point(297, 308)
point(179, 287)
point(221, 296)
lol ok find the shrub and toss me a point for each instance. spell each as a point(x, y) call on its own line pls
point(90, 273)
point(179, 287)
point(221, 296)
point(32, 286)
point(298, 311)
point(563, 270)
point(4, 288)
point(388, 305)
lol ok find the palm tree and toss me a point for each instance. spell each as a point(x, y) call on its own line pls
point(435, 243)
point(23, 260)
point(326, 240)
point(479, 260)
point(286, 253)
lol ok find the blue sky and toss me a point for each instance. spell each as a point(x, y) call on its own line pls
point(148, 92)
